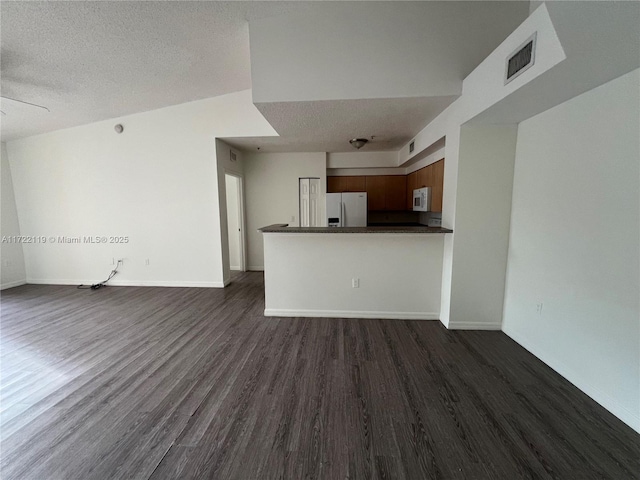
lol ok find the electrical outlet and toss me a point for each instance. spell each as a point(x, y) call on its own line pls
point(355, 283)
point(539, 308)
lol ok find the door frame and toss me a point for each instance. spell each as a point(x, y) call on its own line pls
point(241, 220)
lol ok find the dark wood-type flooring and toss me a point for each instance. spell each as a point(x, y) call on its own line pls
point(186, 383)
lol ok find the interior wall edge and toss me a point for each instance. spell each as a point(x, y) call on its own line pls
point(601, 397)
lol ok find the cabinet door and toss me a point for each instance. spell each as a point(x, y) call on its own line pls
point(430, 175)
point(314, 203)
point(396, 192)
point(346, 184)
point(309, 206)
point(303, 202)
point(335, 184)
point(375, 188)
point(422, 177)
point(412, 184)
point(355, 184)
point(437, 187)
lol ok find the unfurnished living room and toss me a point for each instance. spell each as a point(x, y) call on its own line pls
point(320, 240)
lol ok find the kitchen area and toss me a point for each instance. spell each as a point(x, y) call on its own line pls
point(398, 200)
point(379, 254)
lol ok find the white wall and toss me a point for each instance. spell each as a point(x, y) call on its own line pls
point(346, 172)
point(574, 243)
point(311, 275)
point(351, 164)
point(233, 221)
point(483, 209)
point(483, 87)
point(156, 183)
point(271, 193)
point(12, 267)
point(362, 159)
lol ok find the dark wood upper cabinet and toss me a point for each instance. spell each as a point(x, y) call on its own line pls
point(393, 192)
point(376, 192)
point(346, 184)
point(437, 187)
point(334, 184)
point(422, 177)
point(396, 192)
point(386, 192)
point(356, 184)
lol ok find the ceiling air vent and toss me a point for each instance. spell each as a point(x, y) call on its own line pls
point(520, 60)
point(412, 146)
point(232, 156)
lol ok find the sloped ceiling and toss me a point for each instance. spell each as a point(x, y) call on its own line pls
point(91, 61)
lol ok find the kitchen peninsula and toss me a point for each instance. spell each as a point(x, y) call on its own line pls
point(353, 272)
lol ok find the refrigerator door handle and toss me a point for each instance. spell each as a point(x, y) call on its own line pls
point(343, 212)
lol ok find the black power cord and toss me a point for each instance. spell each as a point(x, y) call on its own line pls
point(96, 286)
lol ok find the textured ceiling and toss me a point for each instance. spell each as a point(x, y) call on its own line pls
point(327, 126)
point(381, 50)
point(91, 61)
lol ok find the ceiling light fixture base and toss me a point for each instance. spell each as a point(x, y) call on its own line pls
point(358, 143)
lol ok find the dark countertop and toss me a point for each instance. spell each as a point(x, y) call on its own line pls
point(283, 228)
point(395, 224)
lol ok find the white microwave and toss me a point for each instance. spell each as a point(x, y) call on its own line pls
point(422, 199)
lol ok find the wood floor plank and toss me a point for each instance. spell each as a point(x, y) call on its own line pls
point(189, 383)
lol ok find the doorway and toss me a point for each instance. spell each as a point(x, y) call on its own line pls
point(235, 223)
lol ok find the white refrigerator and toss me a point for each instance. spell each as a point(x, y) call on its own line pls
point(348, 209)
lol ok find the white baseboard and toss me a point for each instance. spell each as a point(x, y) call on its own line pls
point(629, 417)
point(474, 326)
point(256, 268)
point(236, 268)
point(16, 283)
point(273, 312)
point(129, 283)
